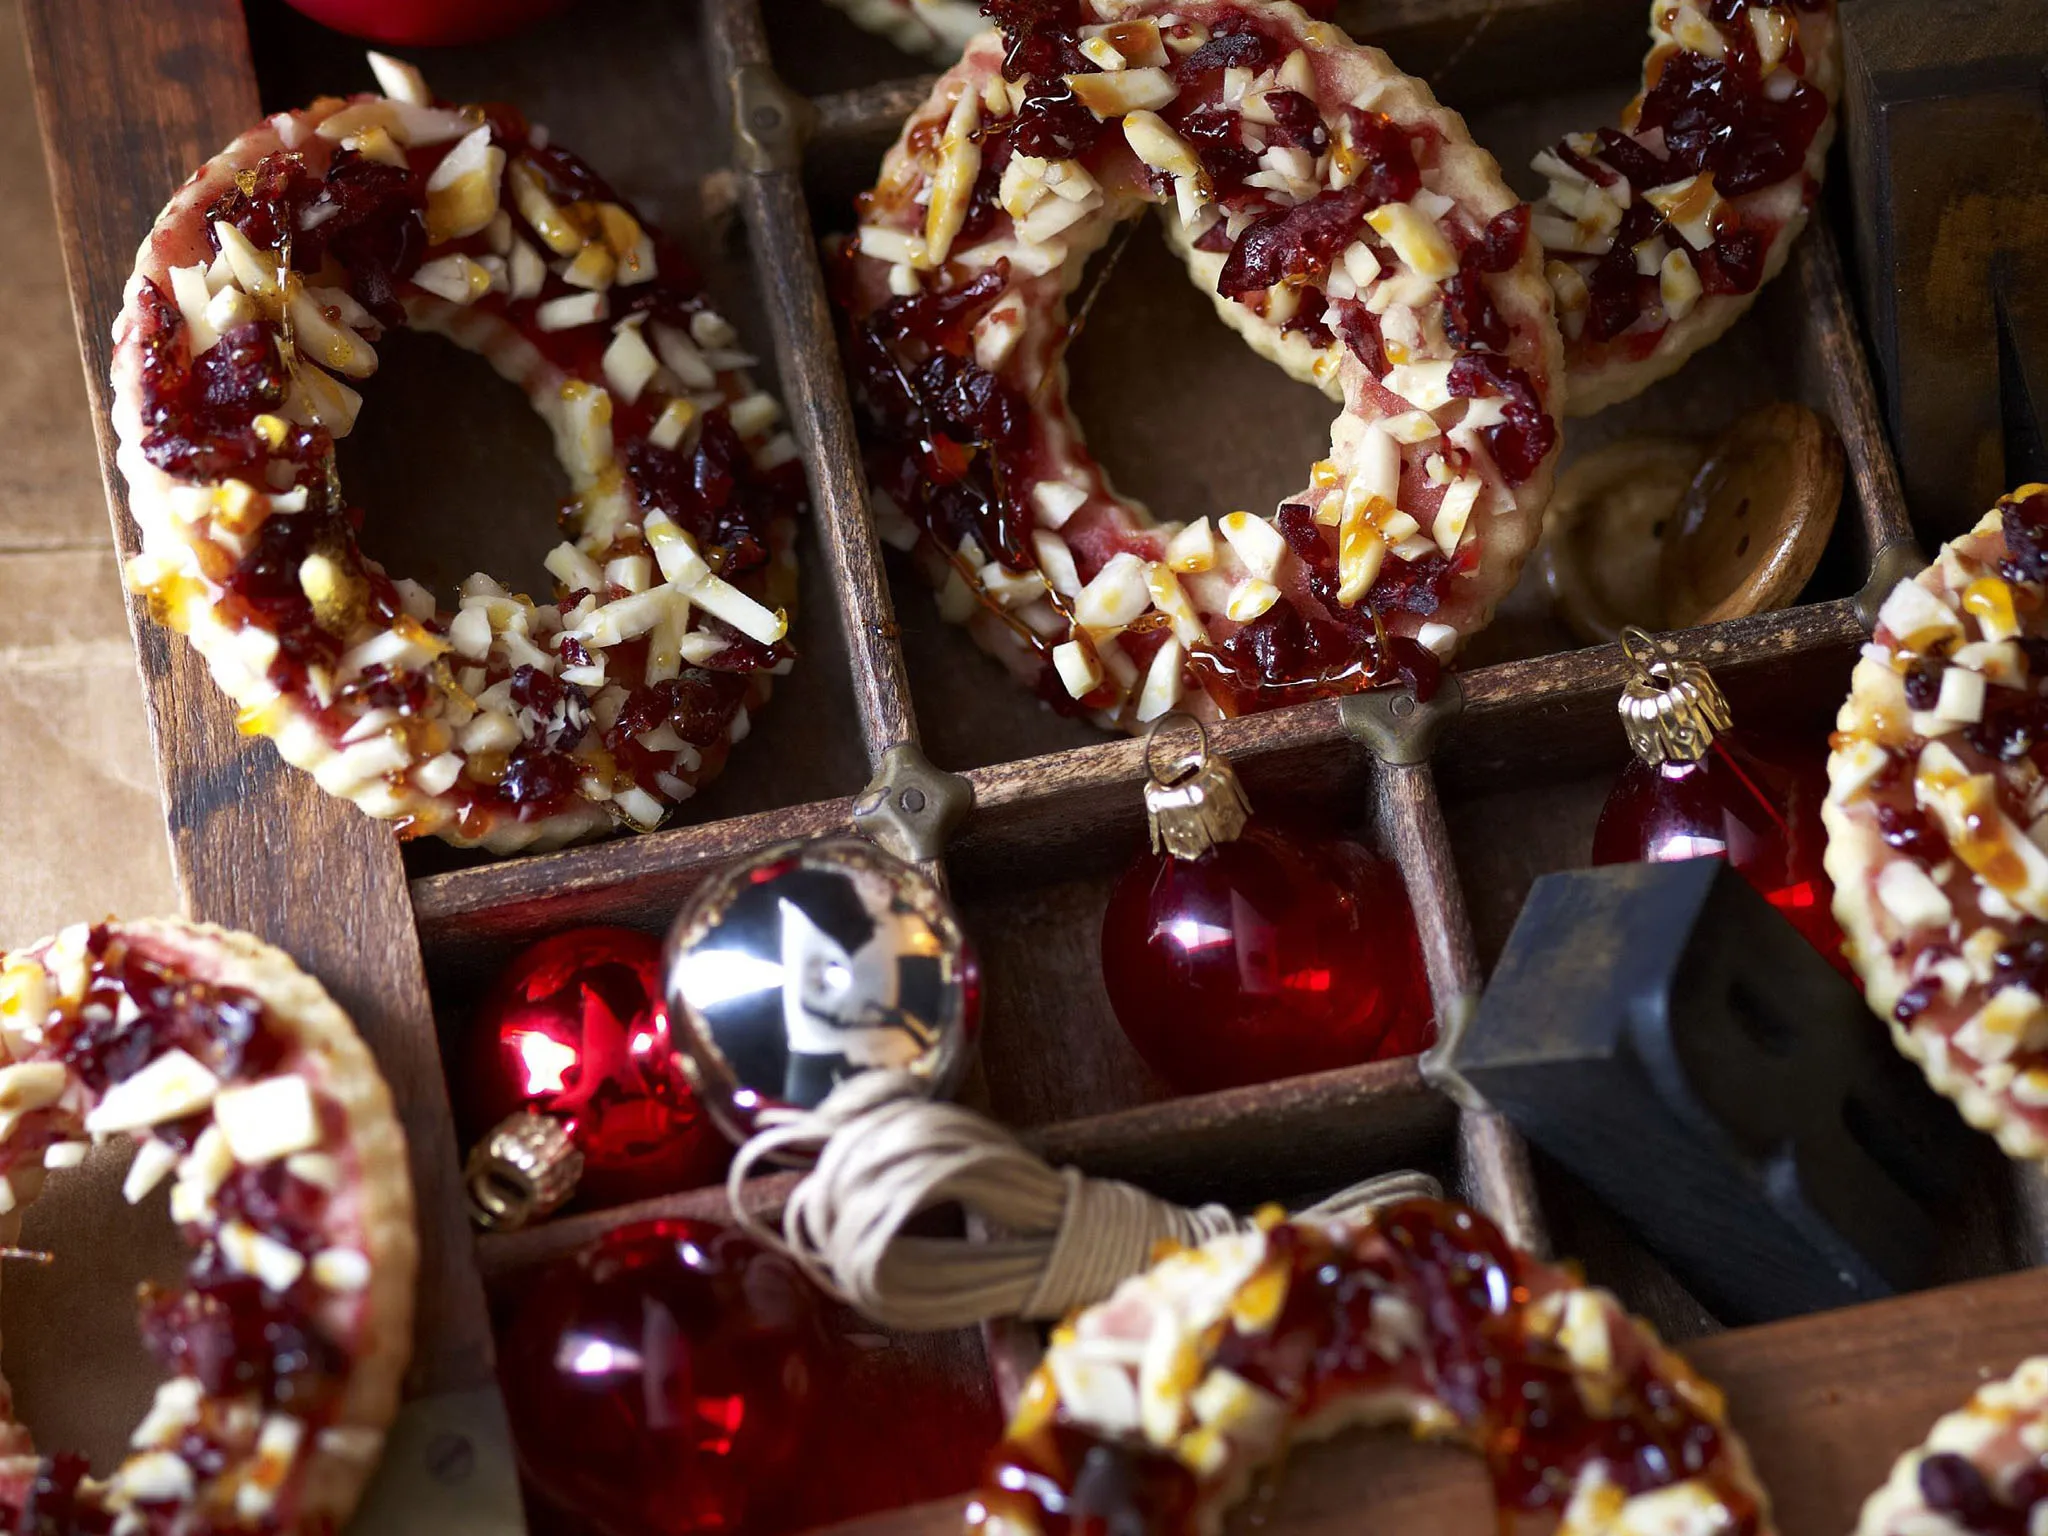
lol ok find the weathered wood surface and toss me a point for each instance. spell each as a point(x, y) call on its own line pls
point(131, 101)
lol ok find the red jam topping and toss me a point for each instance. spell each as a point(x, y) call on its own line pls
point(201, 419)
point(1512, 1388)
point(953, 444)
point(1716, 119)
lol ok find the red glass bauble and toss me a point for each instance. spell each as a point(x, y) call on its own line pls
point(427, 23)
point(576, 1028)
point(1754, 803)
point(1269, 956)
point(662, 1381)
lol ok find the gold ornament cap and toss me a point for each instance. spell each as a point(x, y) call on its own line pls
point(1671, 710)
point(1198, 803)
point(526, 1167)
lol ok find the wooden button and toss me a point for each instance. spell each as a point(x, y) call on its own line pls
point(1605, 535)
point(1755, 520)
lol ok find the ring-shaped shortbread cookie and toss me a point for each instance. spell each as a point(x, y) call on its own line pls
point(1345, 224)
point(241, 1082)
point(507, 723)
point(940, 29)
point(1937, 794)
point(1152, 1411)
point(1982, 1471)
point(1660, 234)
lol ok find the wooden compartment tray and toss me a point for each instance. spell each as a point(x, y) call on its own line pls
point(1474, 796)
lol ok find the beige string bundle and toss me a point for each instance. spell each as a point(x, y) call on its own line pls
point(1042, 1241)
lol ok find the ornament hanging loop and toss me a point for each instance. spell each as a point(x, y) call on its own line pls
point(1200, 804)
point(1671, 710)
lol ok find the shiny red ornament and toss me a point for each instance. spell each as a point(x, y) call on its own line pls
point(427, 23)
point(576, 1028)
point(1271, 955)
point(1697, 791)
point(1755, 804)
point(663, 1381)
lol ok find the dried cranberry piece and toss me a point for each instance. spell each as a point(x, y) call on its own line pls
point(1716, 118)
point(1054, 124)
point(1471, 319)
point(2024, 963)
point(2014, 726)
point(1521, 443)
point(553, 715)
point(700, 704)
point(536, 780)
point(740, 653)
point(1217, 138)
point(1952, 1485)
point(1909, 831)
point(1619, 293)
point(1501, 244)
point(275, 1202)
point(236, 1338)
point(1298, 122)
point(1360, 328)
point(1284, 645)
point(1916, 999)
point(1239, 47)
point(1043, 36)
point(1390, 173)
point(1294, 242)
point(571, 180)
point(1642, 168)
point(971, 403)
point(267, 201)
point(1412, 586)
point(1734, 263)
point(378, 687)
point(713, 492)
point(1308, 320)
point(2026, 538)
point(378, 230)
point(241, 374)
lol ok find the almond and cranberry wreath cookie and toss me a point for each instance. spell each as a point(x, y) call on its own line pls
point(242, 1083)
point(507, 722)
point(1982, 1471)
point(1345, 224)
point(941, 28)
point(1153, 1410)
point(1937, 813)
point(1660, 233)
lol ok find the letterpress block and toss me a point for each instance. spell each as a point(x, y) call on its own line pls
point(1667, 1036)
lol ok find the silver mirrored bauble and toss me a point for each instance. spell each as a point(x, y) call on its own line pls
point(792, 971)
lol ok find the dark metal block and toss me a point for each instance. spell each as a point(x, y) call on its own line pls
point(1666, 1035)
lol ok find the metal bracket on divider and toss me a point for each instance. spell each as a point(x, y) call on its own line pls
point(1896, 562)
point(770, 122)
point(1395, 726)
point(910, 808)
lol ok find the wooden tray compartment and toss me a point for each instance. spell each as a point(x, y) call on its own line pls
point(642, 88)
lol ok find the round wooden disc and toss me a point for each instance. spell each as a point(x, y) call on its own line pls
point(1609, 518)
point(1755, 520)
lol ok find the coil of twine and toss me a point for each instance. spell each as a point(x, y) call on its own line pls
point(1052, 1239)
